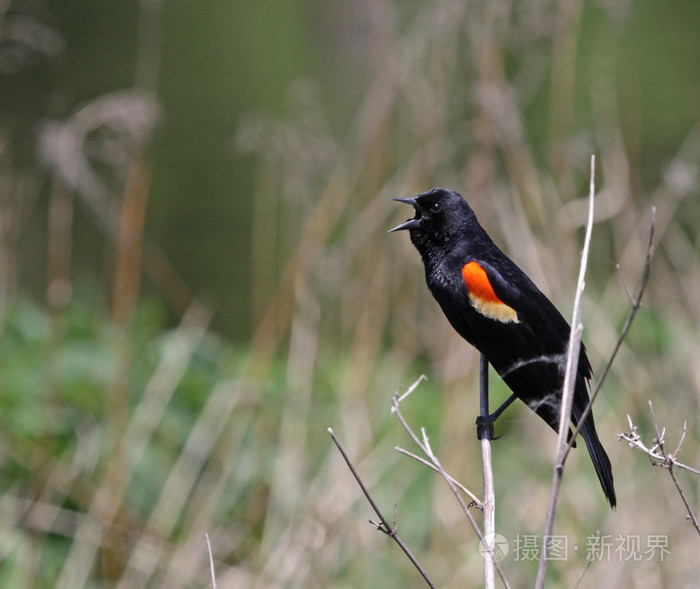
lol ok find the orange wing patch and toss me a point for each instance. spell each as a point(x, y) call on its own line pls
point(483, 297)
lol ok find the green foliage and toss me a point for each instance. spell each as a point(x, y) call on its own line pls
point(120, 445)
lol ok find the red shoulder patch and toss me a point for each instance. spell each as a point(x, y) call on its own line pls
point(478, 282)
point(483, 297)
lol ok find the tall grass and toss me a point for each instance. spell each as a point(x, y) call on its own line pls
point(123, 442)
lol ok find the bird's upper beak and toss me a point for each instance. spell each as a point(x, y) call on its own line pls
point(411, 223)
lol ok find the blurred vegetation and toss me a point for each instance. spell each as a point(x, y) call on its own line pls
point(195, 281)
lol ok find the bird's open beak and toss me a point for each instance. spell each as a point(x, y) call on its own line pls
point(411, 223)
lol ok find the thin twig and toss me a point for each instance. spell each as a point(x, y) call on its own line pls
point(412, 388)
point(589, 562)
point(476, 501)
point(438, 465)
point(572, 361)
point(680, 442)
point(424, 445)
point(659, 457)
point(211, 562)
point(635, 441)
point(384, 525)
point(621, 274)
point(668, 464)
point(636, 305)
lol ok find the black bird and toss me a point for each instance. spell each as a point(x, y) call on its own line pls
point(493, 305)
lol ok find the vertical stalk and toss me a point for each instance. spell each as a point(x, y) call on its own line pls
point(489, 492)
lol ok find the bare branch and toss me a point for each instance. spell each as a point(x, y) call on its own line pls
point(424, 445)
point(630, 296)
point(659, 457)
point(489, 505)
point(668, 464)
point(412, 388)
point(680, 442)
point(636, 305)
point(438, 465)
point(565, 417)
point(384, 525)
point(476, 501)
point(635, 441)
point(589, 562)
point(211, 562)
point(569, 383)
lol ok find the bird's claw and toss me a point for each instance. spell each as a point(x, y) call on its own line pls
point(485, 429)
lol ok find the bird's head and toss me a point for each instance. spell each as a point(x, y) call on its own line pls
point(441, 215)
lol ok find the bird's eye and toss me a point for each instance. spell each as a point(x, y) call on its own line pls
point(436, 207)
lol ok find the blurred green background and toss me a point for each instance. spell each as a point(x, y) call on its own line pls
point(195, 282)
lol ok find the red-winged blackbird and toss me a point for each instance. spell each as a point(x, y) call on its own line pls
point(493, 305)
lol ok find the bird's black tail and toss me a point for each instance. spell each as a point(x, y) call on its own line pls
point(600, 459)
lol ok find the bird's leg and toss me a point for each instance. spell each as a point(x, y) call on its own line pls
point(485, 421)
point(484, 425)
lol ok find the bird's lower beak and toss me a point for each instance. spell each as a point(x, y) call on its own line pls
point(411, 223)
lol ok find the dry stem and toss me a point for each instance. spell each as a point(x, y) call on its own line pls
point(383, 525)
point(659, 457)
point(572, 361)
